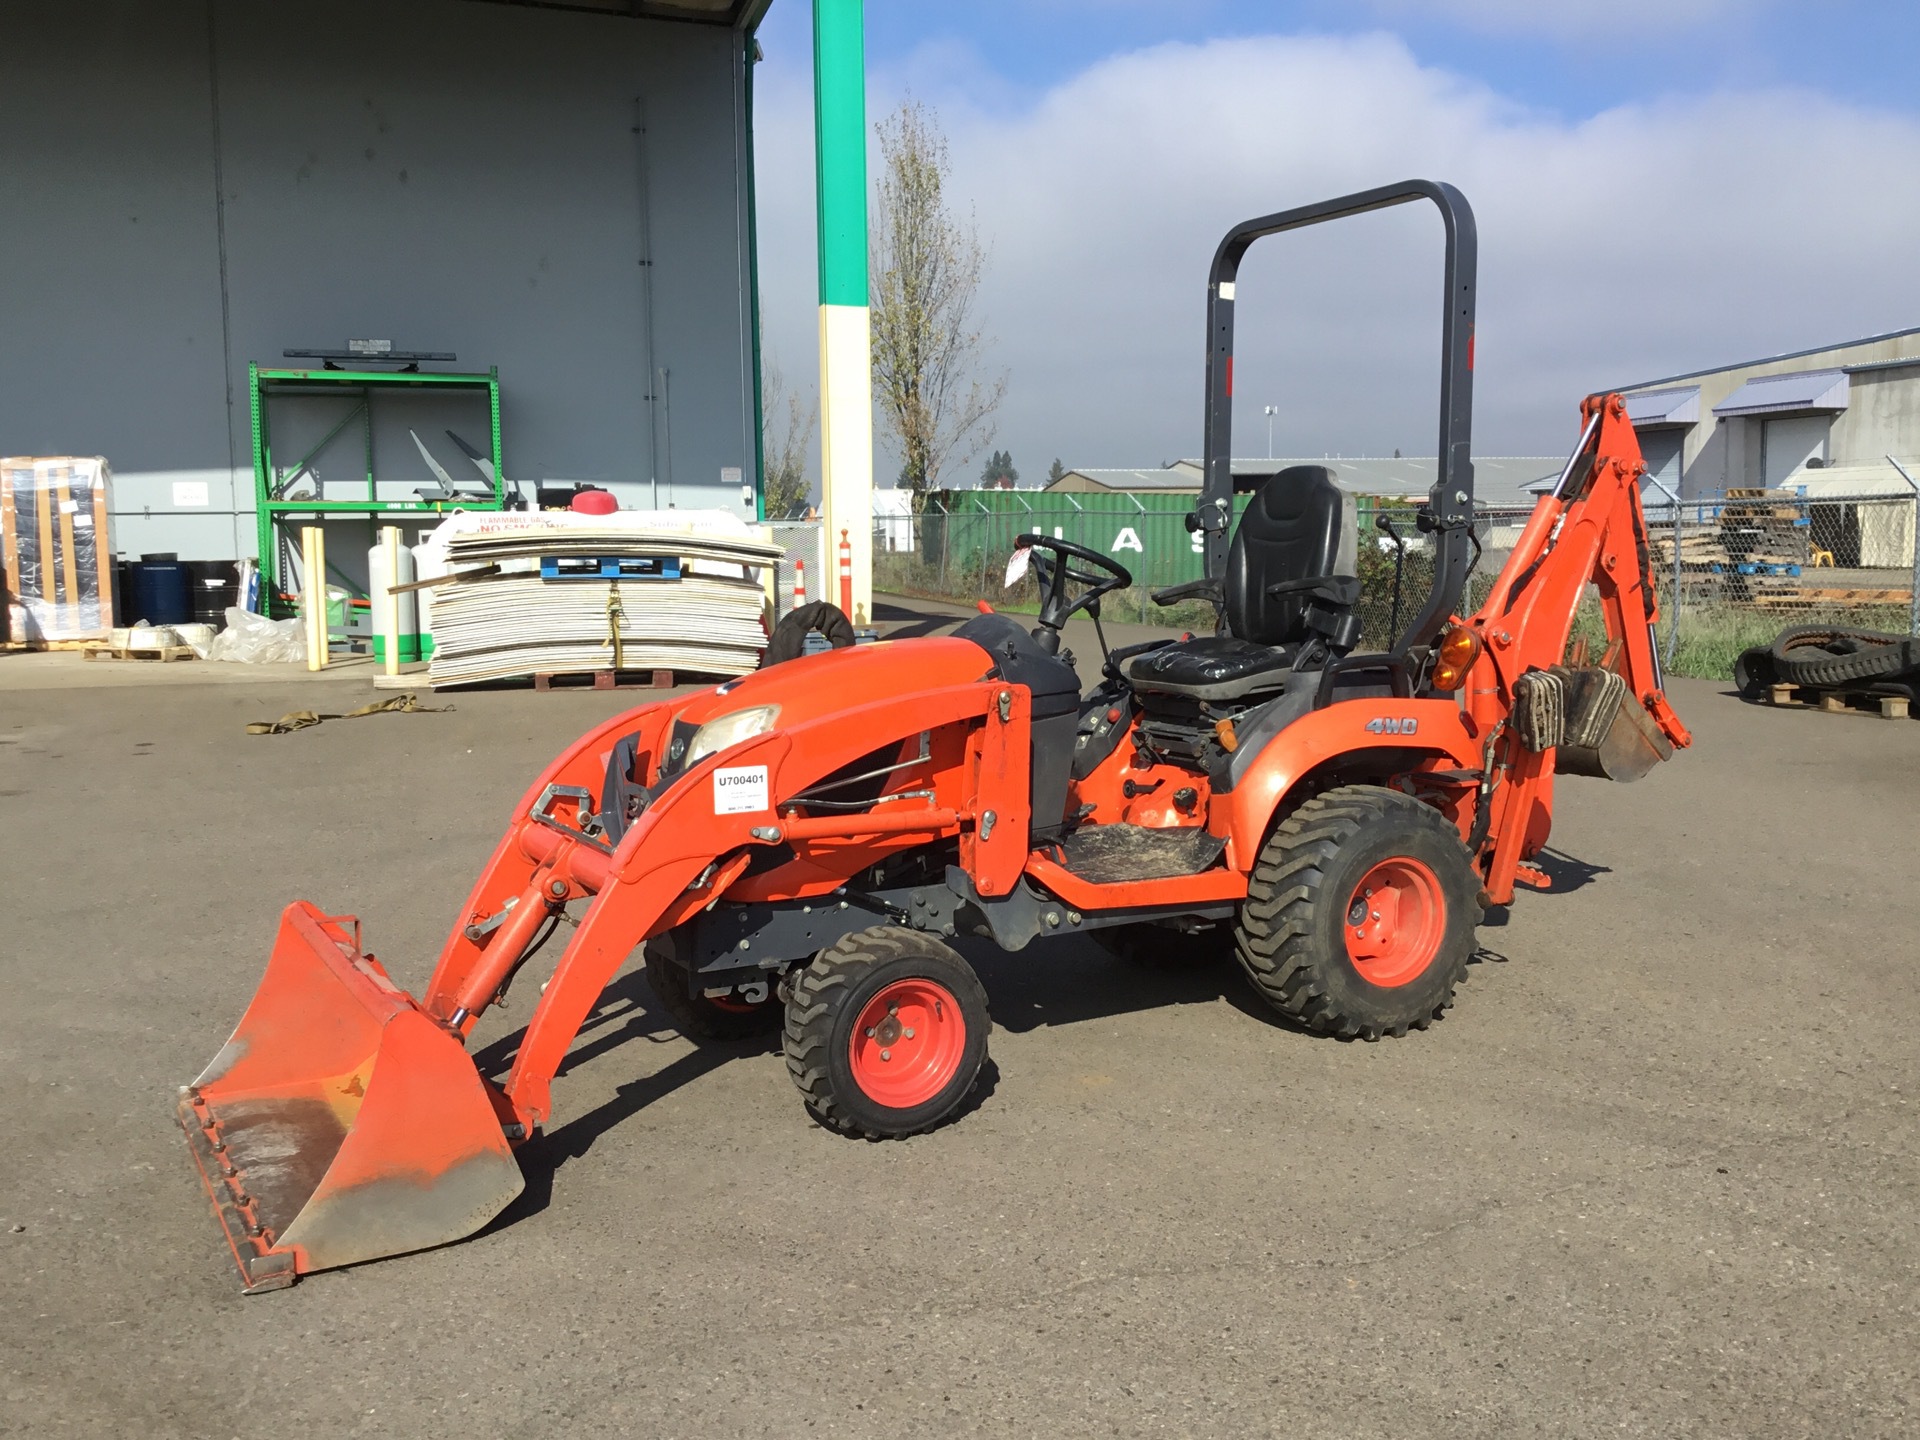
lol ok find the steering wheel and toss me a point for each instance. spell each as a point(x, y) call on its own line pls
point(1056, 569)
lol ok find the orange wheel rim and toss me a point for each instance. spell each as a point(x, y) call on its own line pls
point(907, 1044)
point(1394, 922)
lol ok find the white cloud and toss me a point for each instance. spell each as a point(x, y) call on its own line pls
point(1645, 240)
point(1568, 18)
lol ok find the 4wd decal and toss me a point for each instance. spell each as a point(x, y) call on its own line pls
point(1386, 725)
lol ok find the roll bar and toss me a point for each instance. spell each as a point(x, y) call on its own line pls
point(1451, 500)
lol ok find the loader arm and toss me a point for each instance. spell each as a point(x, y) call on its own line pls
point(1590, 529)
point(683, 853)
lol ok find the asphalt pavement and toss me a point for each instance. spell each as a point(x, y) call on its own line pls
point(1653, 1175)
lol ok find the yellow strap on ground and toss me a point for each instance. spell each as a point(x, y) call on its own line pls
point(408, 703)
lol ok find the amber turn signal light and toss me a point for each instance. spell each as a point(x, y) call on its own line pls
point(1454, 657)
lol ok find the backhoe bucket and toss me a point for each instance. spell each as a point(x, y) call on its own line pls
point(341, 1122)
point(1623, 745)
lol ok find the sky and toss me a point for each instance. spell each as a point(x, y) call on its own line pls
point(1660, 186)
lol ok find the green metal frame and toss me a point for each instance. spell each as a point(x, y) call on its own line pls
point(269, 508)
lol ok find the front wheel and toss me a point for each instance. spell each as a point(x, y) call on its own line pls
point(886, 1032)
point(1360, 914)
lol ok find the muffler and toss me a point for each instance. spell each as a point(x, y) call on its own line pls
point(341, 1122)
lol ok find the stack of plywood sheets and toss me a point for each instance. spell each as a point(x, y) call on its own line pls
point(495, 617)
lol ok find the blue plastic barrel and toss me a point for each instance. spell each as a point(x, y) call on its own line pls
point(162, 591)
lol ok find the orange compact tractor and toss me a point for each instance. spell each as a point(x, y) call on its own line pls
point(796, 848)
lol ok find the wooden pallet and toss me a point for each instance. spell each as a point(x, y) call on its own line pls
point(24, 647)
point(1839, 702)
point(100, 651)
point(603, 680)
point(1794, 597)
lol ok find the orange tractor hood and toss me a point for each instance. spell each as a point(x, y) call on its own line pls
point(816, 686)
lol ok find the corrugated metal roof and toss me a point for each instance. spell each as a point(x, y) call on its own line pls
point(1680, 406)
point(1904, 362)
point(1779, 394)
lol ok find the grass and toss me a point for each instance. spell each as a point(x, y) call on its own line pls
point(1712, 637)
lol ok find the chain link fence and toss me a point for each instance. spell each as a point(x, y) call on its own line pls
point(801, 540)
point(1730, 572)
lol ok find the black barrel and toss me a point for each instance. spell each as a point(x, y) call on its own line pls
point(216, 585)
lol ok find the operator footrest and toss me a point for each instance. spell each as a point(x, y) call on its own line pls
point(1111, 854)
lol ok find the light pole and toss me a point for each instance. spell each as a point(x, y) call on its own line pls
point(1272, 410)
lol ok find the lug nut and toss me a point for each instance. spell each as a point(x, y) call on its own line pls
point(869, 1032)
point(886, 1054)
point(907, 1033)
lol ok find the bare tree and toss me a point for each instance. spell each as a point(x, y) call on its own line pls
point(925, 266)
point(786, 430)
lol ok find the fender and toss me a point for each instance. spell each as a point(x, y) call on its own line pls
point(1438, 728)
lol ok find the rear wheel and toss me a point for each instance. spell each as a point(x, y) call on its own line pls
point(699, 1016)
point(886, 1032)
point(1360, 913)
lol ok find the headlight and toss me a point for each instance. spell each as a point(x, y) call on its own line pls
point(731, 730)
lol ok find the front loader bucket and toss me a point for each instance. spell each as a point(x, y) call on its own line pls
point(341, 1122)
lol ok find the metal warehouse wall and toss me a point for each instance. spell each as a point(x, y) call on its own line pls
point(446, 175)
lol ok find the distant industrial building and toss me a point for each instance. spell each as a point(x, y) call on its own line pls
point(1499, 480)
point(1820, 420)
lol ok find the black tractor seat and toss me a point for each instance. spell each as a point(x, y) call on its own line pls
point(1288, 600)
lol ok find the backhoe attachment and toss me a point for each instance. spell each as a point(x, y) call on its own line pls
point(1544, 715)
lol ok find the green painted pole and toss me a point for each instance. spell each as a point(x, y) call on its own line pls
point(840, 148)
